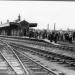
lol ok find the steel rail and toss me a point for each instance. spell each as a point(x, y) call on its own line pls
point(55, 73)
point(32, 60)
point(16, 45)
point(8, 62)
point(47, 44)
point(19, 59)
point(56, 58)
point(26, 71)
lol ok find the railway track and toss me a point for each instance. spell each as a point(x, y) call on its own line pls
point(41, 43)
point(11, 63)
point(35, 68)
point(44, 47)
point(53, 57)
point(5, 67)
point(64, 59)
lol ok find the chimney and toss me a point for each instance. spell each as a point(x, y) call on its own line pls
point(54, 26)
point(1, 22)
point(7, 21)
point(19, 17)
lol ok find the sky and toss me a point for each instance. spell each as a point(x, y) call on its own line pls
point(60, 13)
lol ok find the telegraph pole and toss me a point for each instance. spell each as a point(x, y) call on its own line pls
point(54, 27)
point(48, 27)
point(1, 22)
point(19, 17)
point(47, 30)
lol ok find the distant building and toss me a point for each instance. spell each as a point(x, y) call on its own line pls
point(18, 28)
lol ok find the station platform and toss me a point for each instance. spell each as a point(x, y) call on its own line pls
point(51, 42)
point(62, 43)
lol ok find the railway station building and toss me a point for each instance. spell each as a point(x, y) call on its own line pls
point(17, 28)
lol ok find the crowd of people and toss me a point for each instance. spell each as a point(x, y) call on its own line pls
point(53, 36)
point(60, 37)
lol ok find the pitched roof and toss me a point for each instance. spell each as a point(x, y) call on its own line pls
point(5, 24)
